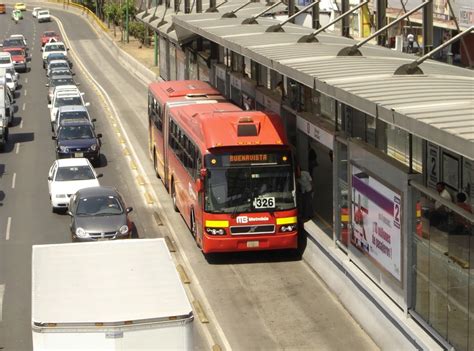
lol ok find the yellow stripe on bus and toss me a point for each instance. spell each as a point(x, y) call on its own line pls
point(286, 220)
point(217, 224)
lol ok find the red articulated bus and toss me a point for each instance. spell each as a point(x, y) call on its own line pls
point(164, 95)
point(230, 173)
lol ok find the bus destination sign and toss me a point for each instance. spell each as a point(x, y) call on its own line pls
point(229, 160)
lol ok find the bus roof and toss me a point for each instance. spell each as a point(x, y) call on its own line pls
point(181, 88)
point(222, 125)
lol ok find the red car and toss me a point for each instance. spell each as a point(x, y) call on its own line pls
point(48, 35)
point(19, 58)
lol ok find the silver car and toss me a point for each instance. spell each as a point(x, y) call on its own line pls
point(99, 213)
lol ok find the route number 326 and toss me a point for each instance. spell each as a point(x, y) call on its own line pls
point(264, 202)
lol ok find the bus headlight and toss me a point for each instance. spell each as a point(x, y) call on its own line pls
point(215, 231)
point(288, 228)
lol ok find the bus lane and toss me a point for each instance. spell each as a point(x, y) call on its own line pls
point(264, 300)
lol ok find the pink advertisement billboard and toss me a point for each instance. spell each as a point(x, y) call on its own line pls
point(376, 221)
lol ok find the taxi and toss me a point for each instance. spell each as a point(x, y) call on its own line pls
point(20, 6)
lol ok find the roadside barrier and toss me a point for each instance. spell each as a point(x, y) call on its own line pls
point(84, 9)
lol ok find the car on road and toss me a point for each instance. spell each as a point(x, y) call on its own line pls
point(62, 99)
point(58, 81)
point(14, 43)
point(60, 72)
point(11, 83)
point(99, 213)
point(56, 57)
point(77, 138)
point(53, 48)
point(3, 8)
point(48, 35)
point(67, 176)
point(6, 60)
point(19, 36)
point(17, 15)
point(14, 73)
point(57, 64)
point(19, 58)
point(34, 13)
point(20, 6)
point(65, 114)
point(43, 16)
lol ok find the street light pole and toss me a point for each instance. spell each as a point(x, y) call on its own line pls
point(126, 21)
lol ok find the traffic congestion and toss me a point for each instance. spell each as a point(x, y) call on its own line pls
point(77, 143)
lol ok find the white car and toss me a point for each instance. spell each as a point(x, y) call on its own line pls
point(6, 60)
point(11, 83)
point(68, 175)
point(65, 98)
point(43, 16)
point(14, 73)
point(35, 11)
point(50, 48)
point(19, 36)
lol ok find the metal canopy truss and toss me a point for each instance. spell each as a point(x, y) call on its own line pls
point(437, 106)
point(279, 27)
point(413, 68)
point(253, 19)
point(232, 13)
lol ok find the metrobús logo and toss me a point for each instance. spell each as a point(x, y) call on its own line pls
point(247, 219)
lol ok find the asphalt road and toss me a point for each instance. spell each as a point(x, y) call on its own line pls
point(257, 301)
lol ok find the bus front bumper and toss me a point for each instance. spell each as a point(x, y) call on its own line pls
point(213, 243)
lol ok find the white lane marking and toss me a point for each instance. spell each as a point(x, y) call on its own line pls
point(26, 80)
point(21, 124)
point(2, 293)
point(9, 224)
point(13, 180)
point(24, 105)
point(17, 149)
point(176, 237)
point(26, 92)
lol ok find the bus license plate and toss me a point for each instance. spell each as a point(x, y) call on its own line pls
point(78, 154)
point(252, 243)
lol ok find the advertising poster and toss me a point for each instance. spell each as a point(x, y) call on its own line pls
point(376, 221)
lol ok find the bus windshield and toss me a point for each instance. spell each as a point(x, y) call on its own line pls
point(252, 188)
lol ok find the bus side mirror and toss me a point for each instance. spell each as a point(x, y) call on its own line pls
point(199, 185)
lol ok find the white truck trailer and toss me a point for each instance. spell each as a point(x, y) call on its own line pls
point(109, 295)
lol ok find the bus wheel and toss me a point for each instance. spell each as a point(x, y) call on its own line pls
point(173, 197)
point(155, 164)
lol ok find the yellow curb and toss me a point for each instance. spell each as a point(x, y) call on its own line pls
point(133, 165)
point(140, 180)
point(200, 312)
point(182, 274)
point(149, 198)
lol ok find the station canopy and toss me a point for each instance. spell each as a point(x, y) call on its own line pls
point(437, 105)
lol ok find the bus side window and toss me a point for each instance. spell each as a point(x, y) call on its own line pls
point(198, 167)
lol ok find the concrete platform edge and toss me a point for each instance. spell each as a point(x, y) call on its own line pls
point(364, 300)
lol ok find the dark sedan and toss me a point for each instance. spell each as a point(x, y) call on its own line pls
point(99, 213)
point(77, 138)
